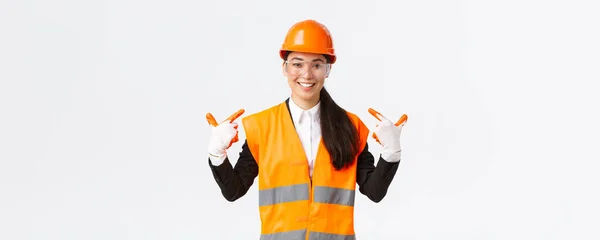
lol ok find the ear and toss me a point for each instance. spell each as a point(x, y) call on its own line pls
point(328, 71)
point(283, 70)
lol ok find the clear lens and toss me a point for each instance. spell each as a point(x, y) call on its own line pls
point(300, 68)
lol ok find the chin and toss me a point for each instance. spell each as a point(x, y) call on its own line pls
point(304, 96)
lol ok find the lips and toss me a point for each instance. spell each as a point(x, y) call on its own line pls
point(306, 85)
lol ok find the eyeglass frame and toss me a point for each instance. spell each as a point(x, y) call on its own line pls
point(327, 65)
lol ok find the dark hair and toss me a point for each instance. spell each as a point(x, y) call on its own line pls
point(340, 137)
point(339, 134)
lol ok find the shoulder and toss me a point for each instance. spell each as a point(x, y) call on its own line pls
point(361, 128)
point(356, 119)
point(352, 115)
point(263, 114)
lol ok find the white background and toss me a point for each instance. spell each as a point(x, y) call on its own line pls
point(103, 132)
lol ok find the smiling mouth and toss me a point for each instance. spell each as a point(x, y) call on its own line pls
point(306, 84)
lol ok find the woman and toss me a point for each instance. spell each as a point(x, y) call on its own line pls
point(308, 152)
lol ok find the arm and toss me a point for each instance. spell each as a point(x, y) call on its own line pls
point(235, 182)
point(374, 181)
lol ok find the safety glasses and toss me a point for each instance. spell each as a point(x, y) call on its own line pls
point(296, 68)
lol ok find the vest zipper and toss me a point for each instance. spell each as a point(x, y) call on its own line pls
point(310, 203)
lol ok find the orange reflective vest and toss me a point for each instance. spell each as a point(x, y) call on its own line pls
point(292, 206)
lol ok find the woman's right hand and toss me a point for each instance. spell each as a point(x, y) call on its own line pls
point(223, 135)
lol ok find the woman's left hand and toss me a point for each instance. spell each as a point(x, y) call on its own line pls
point(388, 135)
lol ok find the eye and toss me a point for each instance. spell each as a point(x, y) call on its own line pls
point(318, 65)
point(297, 64)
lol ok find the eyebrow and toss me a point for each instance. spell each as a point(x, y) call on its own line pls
point(315, 60)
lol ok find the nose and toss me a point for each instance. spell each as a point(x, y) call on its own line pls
point(307, 74)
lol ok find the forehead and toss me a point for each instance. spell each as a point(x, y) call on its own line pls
point(305, 56)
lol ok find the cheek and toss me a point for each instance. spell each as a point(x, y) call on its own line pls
point(291, 83)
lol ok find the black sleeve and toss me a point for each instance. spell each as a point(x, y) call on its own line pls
point(235, 182)
point(374, 181)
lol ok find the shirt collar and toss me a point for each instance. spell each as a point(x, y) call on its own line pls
point(300, 115)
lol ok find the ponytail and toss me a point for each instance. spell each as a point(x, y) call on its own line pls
point(339, 135)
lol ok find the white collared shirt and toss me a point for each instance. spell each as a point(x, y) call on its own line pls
point(308, 127)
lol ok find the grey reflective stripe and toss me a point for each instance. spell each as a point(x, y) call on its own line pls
point(334, 195)
point(298, 234)
point(329, 236)
point(283, 194)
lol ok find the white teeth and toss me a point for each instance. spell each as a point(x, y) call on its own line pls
point(307, 85)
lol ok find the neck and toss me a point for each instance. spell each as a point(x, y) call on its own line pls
point(305, 104)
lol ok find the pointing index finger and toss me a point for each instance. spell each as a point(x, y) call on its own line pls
point(376, 114)
point(234, 116)
point(211, 119)
point(380, 117)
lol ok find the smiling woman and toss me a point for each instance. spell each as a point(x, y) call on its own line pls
point(310, 151)
point(306, 73)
